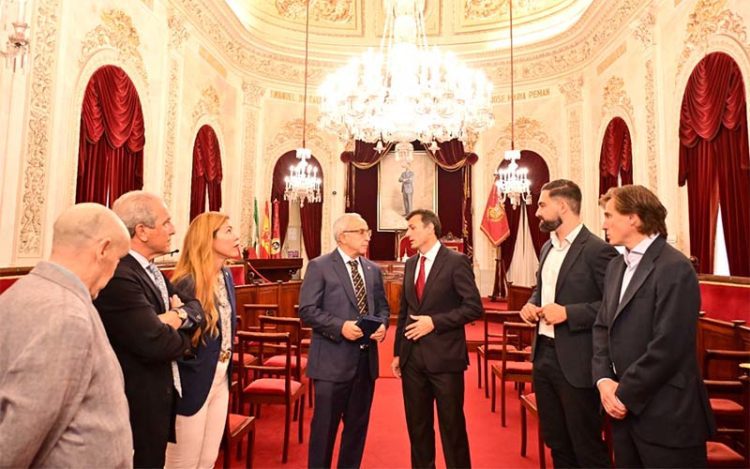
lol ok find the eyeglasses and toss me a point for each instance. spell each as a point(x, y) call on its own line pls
point(361, 232)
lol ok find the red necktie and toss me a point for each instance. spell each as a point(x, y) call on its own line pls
point(420, 278)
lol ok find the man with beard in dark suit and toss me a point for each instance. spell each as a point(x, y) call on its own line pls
point(439, 297)
point(149, 325)
point(564, 304)
point(644, 340)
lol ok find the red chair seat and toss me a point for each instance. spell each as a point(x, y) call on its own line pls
point(271, 386)
point(517, 367)
point(721, 455)
point(530, 400)
point(280, 360)
point(249, 359)
point(725, 407)
point(305, 342)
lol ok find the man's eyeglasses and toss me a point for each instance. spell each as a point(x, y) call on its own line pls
point(361, 232)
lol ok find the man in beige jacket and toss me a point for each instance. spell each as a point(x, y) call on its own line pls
point(62, 399)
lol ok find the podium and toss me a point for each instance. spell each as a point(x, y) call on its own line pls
point(274, 270)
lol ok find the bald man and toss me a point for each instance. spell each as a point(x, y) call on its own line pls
point(62, 398)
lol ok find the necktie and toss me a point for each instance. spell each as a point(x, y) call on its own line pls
point(162, 286)
point(420, 278)
point(359, 288)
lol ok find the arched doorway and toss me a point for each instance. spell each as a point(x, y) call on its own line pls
point(207, 172)
point(616, 156)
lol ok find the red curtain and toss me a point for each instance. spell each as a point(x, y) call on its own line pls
point(280, 171)
point(539, 175)
point(110, 166)
point(714, 161)
point(616, 156)
point(207, 172)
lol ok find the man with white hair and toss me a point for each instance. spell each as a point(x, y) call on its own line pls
point(149, 325)
point(62, 400)
point(339, 289)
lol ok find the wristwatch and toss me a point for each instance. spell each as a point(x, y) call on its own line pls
point(181, 314)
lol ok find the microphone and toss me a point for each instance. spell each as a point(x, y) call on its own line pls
point(170, 253)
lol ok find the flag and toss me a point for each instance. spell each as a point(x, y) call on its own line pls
point(264, 252)
point(494, 222)
point(276, 233)
point(252, 250)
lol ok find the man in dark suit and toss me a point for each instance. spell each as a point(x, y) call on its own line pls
point(644, 340)
point(338, 289)
point(439, 297)
point(564, 304)
point(148, 324)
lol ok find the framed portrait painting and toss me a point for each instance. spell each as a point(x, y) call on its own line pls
point(403, 188)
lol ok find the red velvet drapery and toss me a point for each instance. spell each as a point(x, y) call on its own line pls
point(207, 174)
point(616, 156)
point(311, 218)
point(110, 166)
point(714, 161)
point(539, 175)
point(453, 177)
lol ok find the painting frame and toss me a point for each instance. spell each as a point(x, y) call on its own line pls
point(390, 201)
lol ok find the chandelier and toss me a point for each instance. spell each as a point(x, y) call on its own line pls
point(17, 43)
point(406, 91)
point(303, 183)
point(512, 182)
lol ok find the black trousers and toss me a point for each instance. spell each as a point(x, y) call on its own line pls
point(334, 401)
point(632, 451)
point(422, 390)
point(569, 417)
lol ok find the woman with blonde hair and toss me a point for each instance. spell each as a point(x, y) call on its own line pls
point(205, 377)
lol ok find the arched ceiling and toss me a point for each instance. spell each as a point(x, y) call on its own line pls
point(340, 27)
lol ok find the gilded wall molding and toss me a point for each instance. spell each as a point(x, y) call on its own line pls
point(574, 144)
point(529, 135)
point(708, 18)
point(651, 126)
point(252, 94)
point(572, 89)
point(178, 33)
point(614, 96)
point(116, 31)
point(208, 104)
point(331, 11)
point(43, 65)
point(644, 29)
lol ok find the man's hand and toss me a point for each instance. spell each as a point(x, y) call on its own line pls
point(421, 326)
point(553, 314)
point(171, 318)
point(175, 302)
point(530, 313)
point(395, 367)
point(351, 331)
point(379, 335)
point(610, 402)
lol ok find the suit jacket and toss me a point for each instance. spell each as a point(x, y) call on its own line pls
point(579, 288)
point(452, 299)
point(326, 300)
point(646, 342)
point(61, 389)
point(197, 370)
point(145, 346)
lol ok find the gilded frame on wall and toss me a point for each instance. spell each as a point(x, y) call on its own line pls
point(391, 207)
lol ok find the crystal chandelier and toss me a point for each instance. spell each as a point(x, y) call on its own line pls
point(17, 43)
point(512, 182)
point(303, 183)
point(406, 91)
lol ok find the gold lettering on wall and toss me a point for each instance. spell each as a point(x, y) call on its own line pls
point(616, 54)
point(521, 95)
point(212, 61)
point(294, 97)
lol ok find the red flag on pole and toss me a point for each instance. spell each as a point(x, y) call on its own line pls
point(494, 222)
point(276, 233)
point(265, 235)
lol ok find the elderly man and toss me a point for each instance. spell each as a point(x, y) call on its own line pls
point(149, 325)
point(339, 288)
point(61, 391)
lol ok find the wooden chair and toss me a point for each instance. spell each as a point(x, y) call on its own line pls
point(238, 427)
point(721, 454)
point(305, 342)
point(515, 365)
point(528, 404)
point(261, 390)
point(294, 327)
point(491, 348)
point(725, 394)
point(252, 311)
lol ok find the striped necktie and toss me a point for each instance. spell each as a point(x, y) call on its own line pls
point(359, 288)
point(162, 286)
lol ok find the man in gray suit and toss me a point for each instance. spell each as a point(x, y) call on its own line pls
point(407, 188)
point(61, 389)
point(338, 289)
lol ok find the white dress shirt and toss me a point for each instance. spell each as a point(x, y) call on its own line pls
point(361, 271)
point(429, 260)
point(632, 259)
point(550, 271)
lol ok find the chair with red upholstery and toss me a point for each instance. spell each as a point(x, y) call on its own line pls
point(268, 390)
point(528, 404)
point(492, 346)
point(515, 365)
point(725, 389)
point(305, 343)
point(732, 453)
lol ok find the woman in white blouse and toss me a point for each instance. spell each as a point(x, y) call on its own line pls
point(205, 377)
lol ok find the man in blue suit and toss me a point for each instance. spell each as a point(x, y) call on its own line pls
point(337, 290)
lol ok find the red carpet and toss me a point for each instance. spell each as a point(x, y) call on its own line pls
point(388, 443)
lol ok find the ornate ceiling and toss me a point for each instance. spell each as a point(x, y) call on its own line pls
point(339, 26)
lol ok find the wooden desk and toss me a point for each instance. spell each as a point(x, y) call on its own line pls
point(273, 269)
